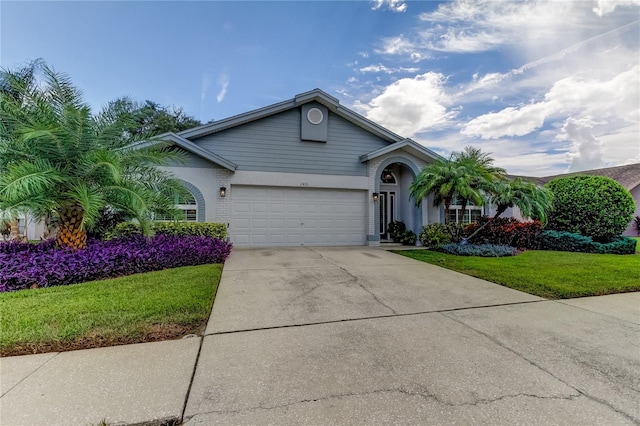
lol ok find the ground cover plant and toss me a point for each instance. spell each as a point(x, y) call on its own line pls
point(25, 265)
point(138, 308)
point(554, 275)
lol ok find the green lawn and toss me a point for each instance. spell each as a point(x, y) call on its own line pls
point(550, 274)
point(137, 308)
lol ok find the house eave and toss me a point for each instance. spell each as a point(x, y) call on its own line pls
point(407, 145)
point(194, 149)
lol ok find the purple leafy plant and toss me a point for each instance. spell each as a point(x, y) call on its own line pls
point(24, 265)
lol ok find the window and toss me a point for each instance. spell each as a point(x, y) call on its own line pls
point(388, 177)
point(187, 205)
point(471, 214)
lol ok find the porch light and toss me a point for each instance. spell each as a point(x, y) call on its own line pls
point(375, 196)
point(386, 174)
point(223, 191)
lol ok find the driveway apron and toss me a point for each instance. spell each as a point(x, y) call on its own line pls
point(365, 336)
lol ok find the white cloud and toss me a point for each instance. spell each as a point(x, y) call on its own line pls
point(223, 83)
point(604, 7)
point(386, 70)
point(411, 105)
point(476, 26)
point(587, 151)
point(392, 5)
point(615, 100)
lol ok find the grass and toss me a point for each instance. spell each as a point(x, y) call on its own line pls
point(137, 308)
point(637, 244)
point(549, 274)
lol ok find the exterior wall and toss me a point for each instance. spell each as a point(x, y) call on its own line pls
point(274, 144)
point(631, 230)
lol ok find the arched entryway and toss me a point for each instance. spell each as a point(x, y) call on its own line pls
point(393, 178)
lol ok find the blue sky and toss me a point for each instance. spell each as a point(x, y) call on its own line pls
point(544, 86)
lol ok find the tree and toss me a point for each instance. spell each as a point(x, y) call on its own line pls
point(593, 206)
point(59, 157)
point(150, 118)
point(480, 167)
point(464, 176)
point(531, 199)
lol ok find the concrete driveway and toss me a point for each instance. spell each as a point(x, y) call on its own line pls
point(364, 336)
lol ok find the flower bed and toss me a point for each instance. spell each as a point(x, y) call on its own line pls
point(24, 265)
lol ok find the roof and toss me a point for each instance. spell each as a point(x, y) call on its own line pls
point(191, 147)
point(315, 95)
point(408, 145)
point(627, 176)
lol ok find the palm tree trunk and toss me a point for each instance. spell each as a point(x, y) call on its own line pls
point(70, 230)
point(14, 234)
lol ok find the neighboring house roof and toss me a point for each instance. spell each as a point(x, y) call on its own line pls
point(407, 145)
point(628, 175)
point(315, 95)
point(191, 147)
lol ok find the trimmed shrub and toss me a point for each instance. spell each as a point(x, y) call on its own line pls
point(593, 206)
point(198, 229)
point(24, 265)
point(408, 238)
point(396, 230)
point(482, 250)
point(183, 229)
point(567, 241)
point(123, 230)
point(506, 231)
point(434, 235)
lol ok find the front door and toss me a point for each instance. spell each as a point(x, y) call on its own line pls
point(387, 212)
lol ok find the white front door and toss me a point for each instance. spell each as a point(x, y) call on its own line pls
point(281, 216)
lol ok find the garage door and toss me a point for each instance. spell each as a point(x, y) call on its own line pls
point(270, 216)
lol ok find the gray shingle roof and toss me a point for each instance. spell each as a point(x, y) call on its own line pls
point(628, 176)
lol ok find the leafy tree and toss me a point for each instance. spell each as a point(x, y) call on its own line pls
point(59, 157)
point(464, 176)
point(593, 206)
point(531, 199)
point(149, 118)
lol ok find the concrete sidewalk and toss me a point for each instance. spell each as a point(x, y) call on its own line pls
point(352, 336)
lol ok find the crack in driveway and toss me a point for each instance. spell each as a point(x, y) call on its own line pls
point(400, 390)
point(356, 280)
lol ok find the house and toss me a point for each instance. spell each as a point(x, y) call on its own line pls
point(306, 171)
point(628, 176)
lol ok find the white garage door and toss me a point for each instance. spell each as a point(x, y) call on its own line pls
point(271, 216)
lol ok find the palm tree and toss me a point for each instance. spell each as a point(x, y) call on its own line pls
point(58, 157)
point(481, 170)
point(465, 176)
point(13, 83)
point(531, 199)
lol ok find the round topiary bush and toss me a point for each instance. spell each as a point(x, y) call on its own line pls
point(593, 206)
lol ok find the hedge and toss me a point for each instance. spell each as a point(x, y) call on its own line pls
point(198, 229)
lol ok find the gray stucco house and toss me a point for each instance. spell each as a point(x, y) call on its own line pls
point(306, 171)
